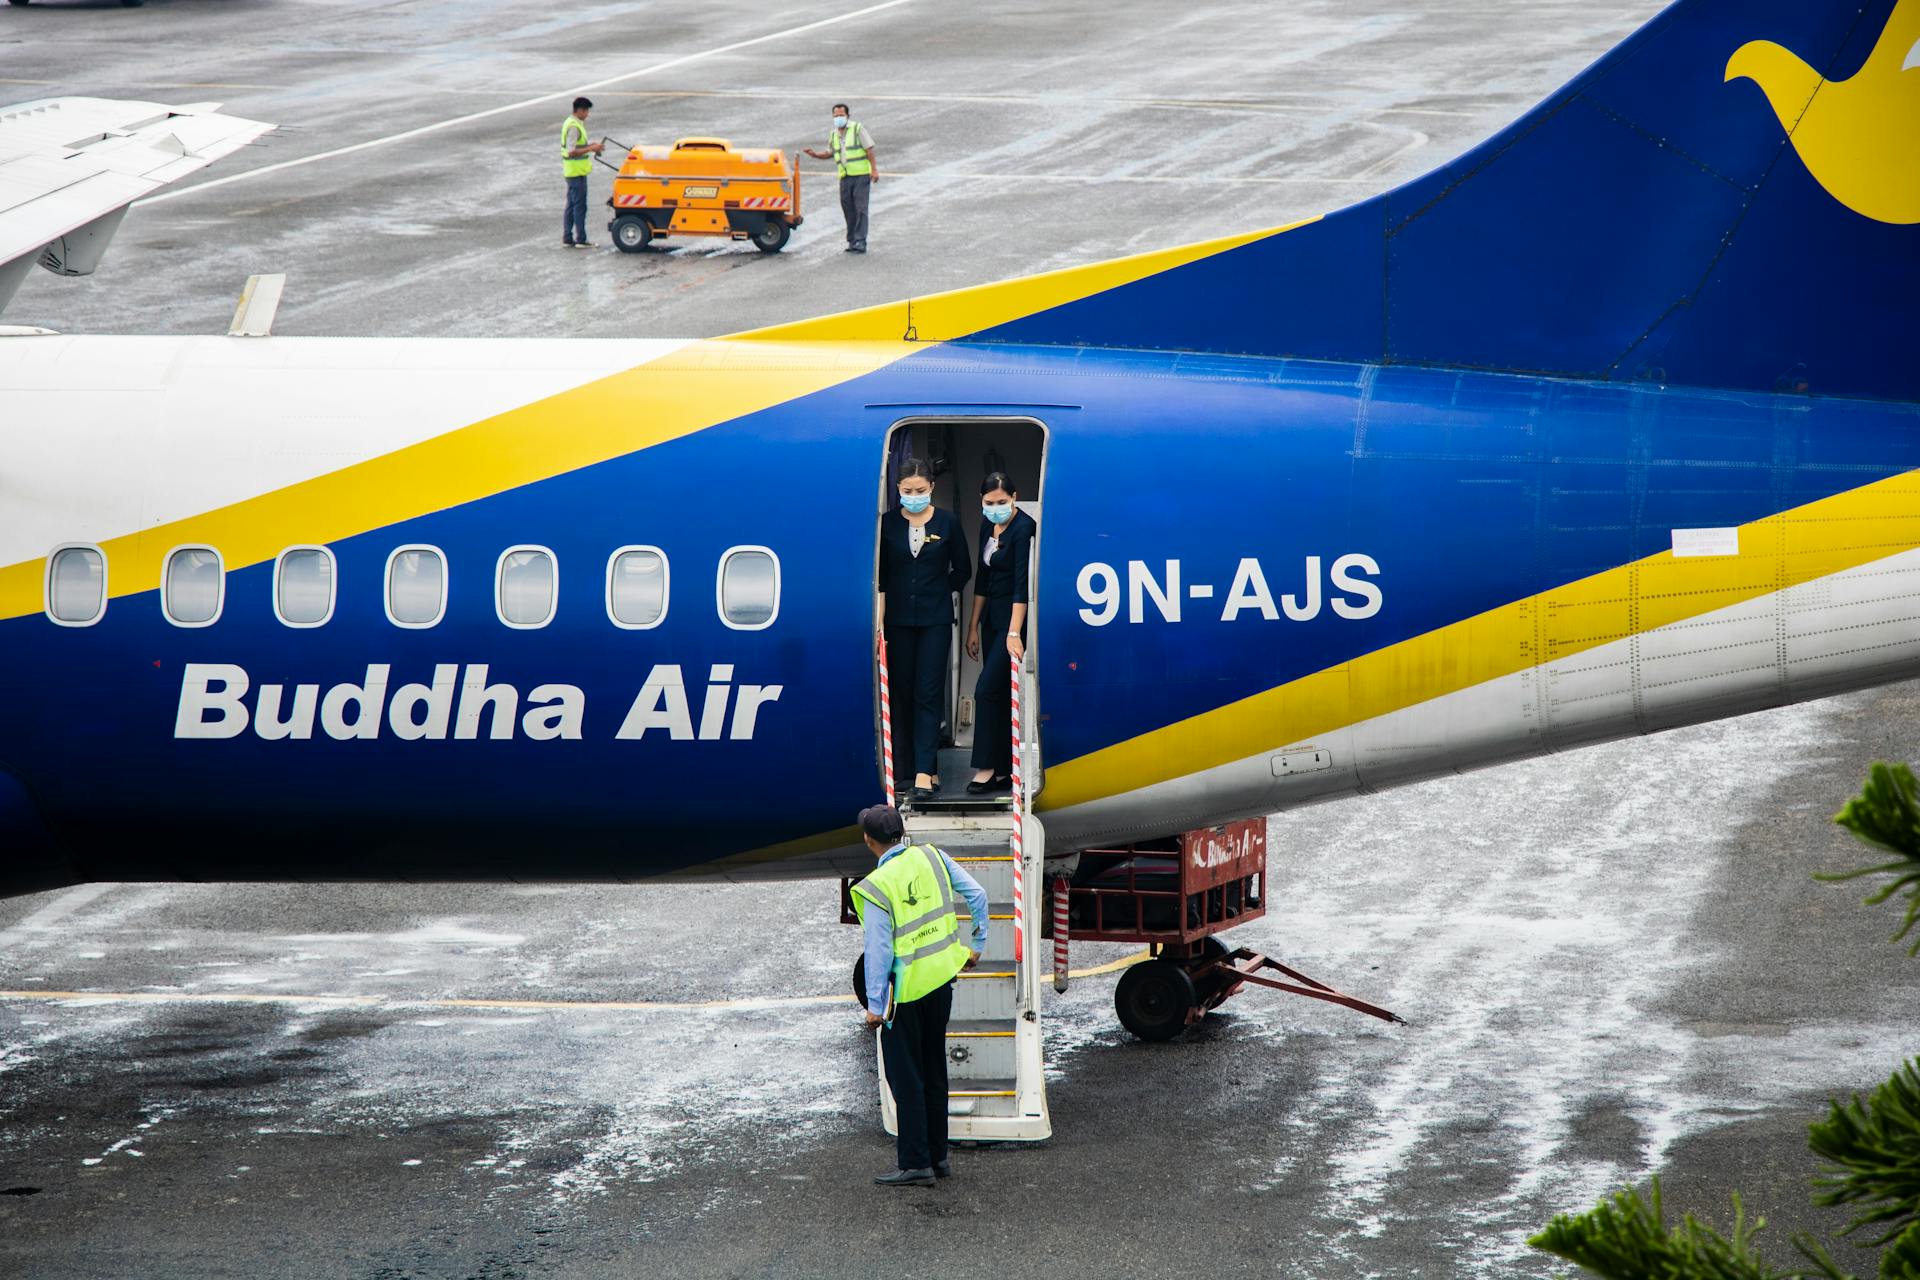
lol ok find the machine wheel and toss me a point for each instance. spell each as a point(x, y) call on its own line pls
point(631, 234)
point(1153, 999)
point(772, 236)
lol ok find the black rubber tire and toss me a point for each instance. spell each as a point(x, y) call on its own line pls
point(131, 4)
point(19, 2)
point(1205, 989)
point(1153, 999)
point(631, 233)
point(860, 979)
point(772, 236)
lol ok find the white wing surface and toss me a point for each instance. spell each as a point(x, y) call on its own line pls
point(69, 167)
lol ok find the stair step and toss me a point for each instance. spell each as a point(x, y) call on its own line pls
point(960, 1027)
point(981, 1048)
point(991, 1088)
point(985, 995)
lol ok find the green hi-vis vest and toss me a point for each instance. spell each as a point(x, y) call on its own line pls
point(574, 134)
point(913, 888)
point(851, 161)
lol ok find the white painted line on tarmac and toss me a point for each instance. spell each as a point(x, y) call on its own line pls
point(1305, 107)
point(563, 95)
point(524, 1006)
point(1185, 180)
point(61, 907)
point(152, 84)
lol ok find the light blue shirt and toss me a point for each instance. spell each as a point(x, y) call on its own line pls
point(880, 929)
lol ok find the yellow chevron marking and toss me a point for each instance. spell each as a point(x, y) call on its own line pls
point(1777, 552)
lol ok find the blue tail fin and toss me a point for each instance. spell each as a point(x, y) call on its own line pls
point(1729, 198)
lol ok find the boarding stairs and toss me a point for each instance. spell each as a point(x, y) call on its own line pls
point(995, 1077)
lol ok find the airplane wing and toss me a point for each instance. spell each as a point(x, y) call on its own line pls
point(69, 167)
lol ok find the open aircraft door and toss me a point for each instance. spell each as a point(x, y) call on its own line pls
point(996, 1078)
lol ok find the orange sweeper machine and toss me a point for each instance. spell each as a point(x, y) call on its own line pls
point(705, 187)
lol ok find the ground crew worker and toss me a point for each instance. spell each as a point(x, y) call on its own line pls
point(576, 162)
point(910, 915)
point(850, 147)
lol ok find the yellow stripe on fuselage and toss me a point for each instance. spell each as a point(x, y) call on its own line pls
point(1777, 552)
point(688, 390)
point(960, 313)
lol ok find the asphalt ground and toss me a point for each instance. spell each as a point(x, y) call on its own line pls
point(1614, 963)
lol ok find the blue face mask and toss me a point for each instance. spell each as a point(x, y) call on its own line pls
point(914, 503)
point(998, 512)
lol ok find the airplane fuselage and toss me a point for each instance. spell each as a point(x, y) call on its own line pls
point(1260, 582)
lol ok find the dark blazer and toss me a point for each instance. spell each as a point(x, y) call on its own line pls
point(1005, 576)
point(920, 589)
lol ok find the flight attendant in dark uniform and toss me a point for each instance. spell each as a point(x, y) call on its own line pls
point(923, 561)
point(998, 629)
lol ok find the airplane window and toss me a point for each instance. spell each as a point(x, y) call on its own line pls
point(637, 587)
point(416, 587)
point(749, 588)
point(525, 589)
point(77, 586)
point(191, 587)
point(303, 586)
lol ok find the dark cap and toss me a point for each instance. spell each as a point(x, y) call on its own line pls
point(882, 822)
point(583, 104)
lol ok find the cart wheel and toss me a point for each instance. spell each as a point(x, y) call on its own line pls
point(1207, 990)
point(631, 234)
point(860, 980)
point(1153, 999)
point(772, 236)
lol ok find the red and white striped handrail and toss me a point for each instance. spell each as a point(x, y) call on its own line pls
point(886, 721)
point(1019, 824)
point(1062, 931)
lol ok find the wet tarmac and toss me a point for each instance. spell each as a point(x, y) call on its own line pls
point(1614, 962)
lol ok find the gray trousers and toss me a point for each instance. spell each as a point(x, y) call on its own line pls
point(854, 192)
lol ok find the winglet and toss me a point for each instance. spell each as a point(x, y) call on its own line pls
point(73, 165)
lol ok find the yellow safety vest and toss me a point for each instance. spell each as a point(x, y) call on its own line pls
point(574, 134)
point(851, 161)
point(915, 891)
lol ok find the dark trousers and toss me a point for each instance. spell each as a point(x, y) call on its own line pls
point(992, 696)
point(915, 1049)
point(916, 681)
point(574, 225)
point(854, 194)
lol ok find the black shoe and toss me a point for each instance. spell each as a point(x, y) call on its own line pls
point(943, 1169)
point(905, 1178)
point(849, 249)
point(566, 244)
point(990, 786)
point(857, 248)
point(918, 795)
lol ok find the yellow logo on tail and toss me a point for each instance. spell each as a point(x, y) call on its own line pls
point(1859, 138)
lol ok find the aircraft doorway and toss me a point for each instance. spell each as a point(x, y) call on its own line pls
point(961, 452)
